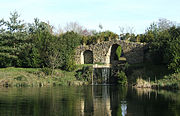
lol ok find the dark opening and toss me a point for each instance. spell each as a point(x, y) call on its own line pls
point(88, 57)
point(113, 56)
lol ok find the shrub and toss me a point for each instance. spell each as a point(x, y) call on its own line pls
point(140, 83)
point(118, 52)
point(20, 78)
point(85, 74)
point(121, 78)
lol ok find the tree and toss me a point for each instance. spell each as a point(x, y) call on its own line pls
point(13, 38)
point(74, 26)
point(163, 39)
point(100, 27)
point(121, 30)
point(69, 41)
point(164, 24)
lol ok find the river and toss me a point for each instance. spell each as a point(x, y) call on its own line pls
point(88, 101)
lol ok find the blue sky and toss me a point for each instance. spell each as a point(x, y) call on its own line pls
point(90, 13)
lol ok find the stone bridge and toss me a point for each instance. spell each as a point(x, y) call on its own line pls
point(105, 52)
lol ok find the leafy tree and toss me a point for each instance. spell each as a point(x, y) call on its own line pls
point(69, 41)
point(163, 39)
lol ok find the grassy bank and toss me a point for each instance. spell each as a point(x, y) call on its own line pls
point(168, 82)
point(152, 76)
point(35, 77)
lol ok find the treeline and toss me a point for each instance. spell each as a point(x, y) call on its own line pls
point(164, 44)
point(36, 46)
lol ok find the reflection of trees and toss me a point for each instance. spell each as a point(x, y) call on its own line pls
point(153, 103)
point(117, 95)
point(90, 100)
point(88, 105)
point(174, 97)
point(39, 101)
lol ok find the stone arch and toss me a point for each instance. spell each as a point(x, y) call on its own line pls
point(113, 57)
point(88, 57)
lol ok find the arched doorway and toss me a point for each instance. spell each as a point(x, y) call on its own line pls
point(88, 57)
point(113, 56)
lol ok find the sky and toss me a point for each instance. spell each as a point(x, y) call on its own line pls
point(111, 14)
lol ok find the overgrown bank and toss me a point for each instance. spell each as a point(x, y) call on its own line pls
point(170, 82)
point(152, 76)
point(36, 77)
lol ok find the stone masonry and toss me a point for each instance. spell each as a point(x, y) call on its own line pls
point(133, 52)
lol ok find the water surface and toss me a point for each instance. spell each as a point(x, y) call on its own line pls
point(88, 101)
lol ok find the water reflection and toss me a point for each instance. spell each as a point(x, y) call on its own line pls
point(88, 101)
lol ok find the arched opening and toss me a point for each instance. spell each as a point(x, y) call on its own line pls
point(114, 57)
point(88, 57)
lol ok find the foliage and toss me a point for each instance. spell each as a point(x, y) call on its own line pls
point(169, 82)
point(13, 38)
point(29, 57)
point(99, 37)
point(68, 42)
point(85, 74)
point(118, 52)
point(164, 43)
point(121, 78)
point(46, 71)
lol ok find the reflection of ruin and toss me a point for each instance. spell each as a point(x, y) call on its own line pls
point(82, 107)
point(102, 102)
point(97, 101)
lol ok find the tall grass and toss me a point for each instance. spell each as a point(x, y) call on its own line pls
point(34, 77)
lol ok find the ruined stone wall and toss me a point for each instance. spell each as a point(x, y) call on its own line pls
point(133, 52)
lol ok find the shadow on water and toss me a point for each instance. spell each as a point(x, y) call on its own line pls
point(88, 101)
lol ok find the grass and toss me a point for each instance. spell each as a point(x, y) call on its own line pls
point(152, 76)
point(168, 82)
point(146, 72)
point(80, 66)
point(34, 77)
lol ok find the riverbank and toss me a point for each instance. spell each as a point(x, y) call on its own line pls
point(168, 82)
point(139, 76)
point(147, 75)
point(22, 77)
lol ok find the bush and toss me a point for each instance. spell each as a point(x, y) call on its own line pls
point(121, 78)
point(29, 58)
point(118, 52)
point(85, 74)
point(6, 61)
point(20, 78)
